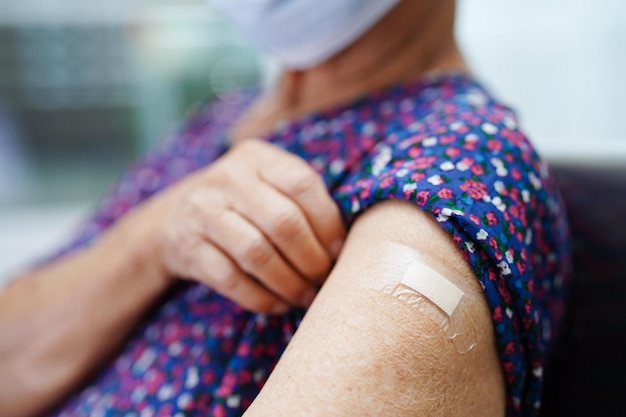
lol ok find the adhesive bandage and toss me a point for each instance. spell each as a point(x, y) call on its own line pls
point(415, 283)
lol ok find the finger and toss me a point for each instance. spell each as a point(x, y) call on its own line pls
point(286, 226)
point(211, 266)
point(246, 245)
point(298, 181)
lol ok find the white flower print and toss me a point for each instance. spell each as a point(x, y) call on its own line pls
point(457, 125)
point(504, 268)
point(509, 122)
point(369, 128)
point(431, 141)
point(410, 187)
point(381, 159)
point(489, 128)
point(501, 170)
point(536, 182)
point(497, 201)
point(462, 166)
point(447, 166)
point(336, 167)
point(435, 180)
point(402, 172)
point(446, 211)
point(529, 236)
point(472, 137)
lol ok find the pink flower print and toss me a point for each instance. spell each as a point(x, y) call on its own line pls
point(527, 323)
point(422, 162)
point(474, 218)
point(219, 410)
point(512, 228)
point(514, 210)
point(497, 314)
point(491, 218)
point(494, 145)
point(386, 182)
point(445, 193)
point(165, 411)
point(422, 197)
point(475, 189)
point(476, 194)
point(415, 151)
point(504, 291)
point(408, 189)
point(477, 170)
point(470, 145)
point(467, 161)
point(453, 152)
point(528, 307)
point(510, 348)
point(447, 139)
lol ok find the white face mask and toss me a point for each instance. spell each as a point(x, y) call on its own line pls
point(303, 33)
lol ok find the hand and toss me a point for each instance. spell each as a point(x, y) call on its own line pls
point(256, 212)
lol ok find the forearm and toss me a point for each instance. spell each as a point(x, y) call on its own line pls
point(58, 322)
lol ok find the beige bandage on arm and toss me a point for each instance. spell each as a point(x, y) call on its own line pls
point(435, 290)
point(433, 286)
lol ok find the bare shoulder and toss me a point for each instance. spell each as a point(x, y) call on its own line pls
point(360, 351)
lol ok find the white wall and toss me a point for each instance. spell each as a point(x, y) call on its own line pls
point(561, 63)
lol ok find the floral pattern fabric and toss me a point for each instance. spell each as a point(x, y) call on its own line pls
point(441, 142)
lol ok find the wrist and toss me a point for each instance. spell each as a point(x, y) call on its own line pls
point(136, 246)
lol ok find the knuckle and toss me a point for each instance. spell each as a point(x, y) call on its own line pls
point(255, 251)
point(288, 223)
point(250, 147)
point(195, 203)
point(302, 181)
point(225, 277)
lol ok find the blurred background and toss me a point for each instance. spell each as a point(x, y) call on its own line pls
point(86, 87)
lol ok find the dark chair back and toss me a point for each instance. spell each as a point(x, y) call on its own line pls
point(586, 374)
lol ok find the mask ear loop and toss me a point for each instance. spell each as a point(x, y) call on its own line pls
point(440, 300)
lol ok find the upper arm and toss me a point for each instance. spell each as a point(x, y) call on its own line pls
point(359, 351)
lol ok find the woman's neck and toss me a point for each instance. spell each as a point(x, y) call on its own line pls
point(416, 37)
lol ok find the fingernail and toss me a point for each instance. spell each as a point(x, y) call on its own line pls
point(309, 296)
point(335, 248)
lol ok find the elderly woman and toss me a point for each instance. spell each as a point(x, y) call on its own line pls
point(180, 295)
